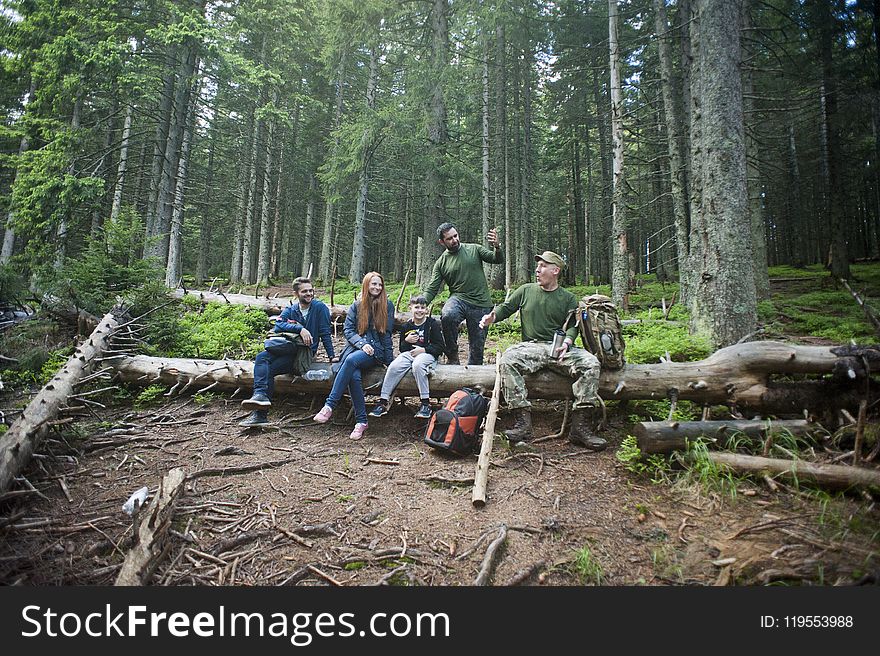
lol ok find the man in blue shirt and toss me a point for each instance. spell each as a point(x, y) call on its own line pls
point(309, 318)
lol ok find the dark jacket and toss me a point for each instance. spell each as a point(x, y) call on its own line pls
point(430, 337)
point(381, 342)
point(317, 323)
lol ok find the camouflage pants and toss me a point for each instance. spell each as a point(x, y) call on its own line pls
point(529, 357)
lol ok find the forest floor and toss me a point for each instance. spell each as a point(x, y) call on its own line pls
point(310, 507)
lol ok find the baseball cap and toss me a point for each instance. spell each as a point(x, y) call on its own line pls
point(551, 258)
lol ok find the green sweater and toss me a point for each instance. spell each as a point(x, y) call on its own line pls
point(463, 272)
point(540, 312)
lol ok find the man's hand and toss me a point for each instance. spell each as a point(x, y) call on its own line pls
point(492, 238)
point(306, 337)
point(561, 351)
point(487, 320)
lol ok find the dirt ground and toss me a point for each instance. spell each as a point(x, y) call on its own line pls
point(300, 504)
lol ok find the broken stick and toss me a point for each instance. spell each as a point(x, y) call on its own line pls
point(481, 476)
point(152, 532)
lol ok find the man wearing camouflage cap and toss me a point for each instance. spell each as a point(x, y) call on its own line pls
point(543, 308)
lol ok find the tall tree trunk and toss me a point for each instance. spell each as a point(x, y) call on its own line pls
point(170, 165)
point(620, 248)
point(238, 219)
point(160, 142)
point(723, 305)
point(797, 235)
point(206, 218)
point(484, 158)
point(358, 265)
point(437, 136)
point(496, 272)
point(174, 269)
point(66, 214)
point(122, 167)
point(247, 264)
point(837, 254)
point(756, 214)
point(9, 234)
point(526, 250)
point(278, 255)
point(603, 269)
point(677, 167)
point(325, 267)
point(266, 245)
point(310, 225)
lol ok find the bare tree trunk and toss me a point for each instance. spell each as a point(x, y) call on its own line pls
point(265, 247)
point(61, 229)
point(9, 234)
point(437, 136)
point(484, 186)
point(619, 248)
point(160, 142)
point(122, 167)
point(325, 267)
point(205, 220)
point(173, 269)
point(358, 265)
point(723, 305)
point(527, 246)
point(678, 170)
point(310, 226)
point(278, 256)
point(247, 233)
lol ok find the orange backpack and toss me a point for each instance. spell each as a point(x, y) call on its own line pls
point(454, 427)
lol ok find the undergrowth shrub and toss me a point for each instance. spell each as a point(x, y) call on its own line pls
point(654, 466)
point(222, 331)
point(646, 342)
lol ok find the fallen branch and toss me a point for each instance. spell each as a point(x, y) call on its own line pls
point(152, 532)
point(836, 477)
point(491, 554)
point(668, 436)
point(246, 469)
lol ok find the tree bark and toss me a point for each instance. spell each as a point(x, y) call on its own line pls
point(264, 257)
point(723, 303)
point(19, 442)
point(835, 477)
point(481, 476)
point(668, 436)
point(739, 375)
point(619, 247)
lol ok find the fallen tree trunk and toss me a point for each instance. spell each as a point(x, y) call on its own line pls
point(739, 375)
point(669, 436)
point(18, 443)
point(151, 544)
point(835, 477)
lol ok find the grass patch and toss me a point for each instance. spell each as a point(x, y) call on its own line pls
point(654, 466)
point(587, 568)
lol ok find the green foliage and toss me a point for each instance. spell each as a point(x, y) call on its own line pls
point(588, 569)
point(655, 466)
point(206, 398)
point(647, 410)
point(221, 331)
point(31, 342)
point(54, 362)
point(645, 343)
point(703, 472)
point(150, 396)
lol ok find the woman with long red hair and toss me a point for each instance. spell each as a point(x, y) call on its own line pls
point(368, 327)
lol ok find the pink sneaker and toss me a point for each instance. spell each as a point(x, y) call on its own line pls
point(358, 432)
point(324, 416)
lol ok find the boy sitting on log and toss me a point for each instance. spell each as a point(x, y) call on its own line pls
point(421, 343)
point(543, 307)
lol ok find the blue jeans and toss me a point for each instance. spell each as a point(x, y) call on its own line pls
point(349, 377)
point(454, 312)
point(266, 367)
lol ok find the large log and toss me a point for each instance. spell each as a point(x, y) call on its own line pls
point(738, 375)
point(835, 477)
point(154, 522)
point(18, 443)
point(669, 436)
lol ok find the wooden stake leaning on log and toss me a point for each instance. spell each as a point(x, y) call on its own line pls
point(17, 445)
point(151, 544)
point(481, 476)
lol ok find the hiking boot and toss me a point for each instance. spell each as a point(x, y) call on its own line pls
point(582, 432)
point(452, 359)
point(324, 416)
point(256, 402)
point(522, 427)
point(358, 432)
point(424, 411)
point(254, 419)
point(380, 410)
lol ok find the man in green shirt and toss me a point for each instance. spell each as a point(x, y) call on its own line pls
point(460, 266)
point(543, 308)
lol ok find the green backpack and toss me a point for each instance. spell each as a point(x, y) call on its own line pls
point(600, 329)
